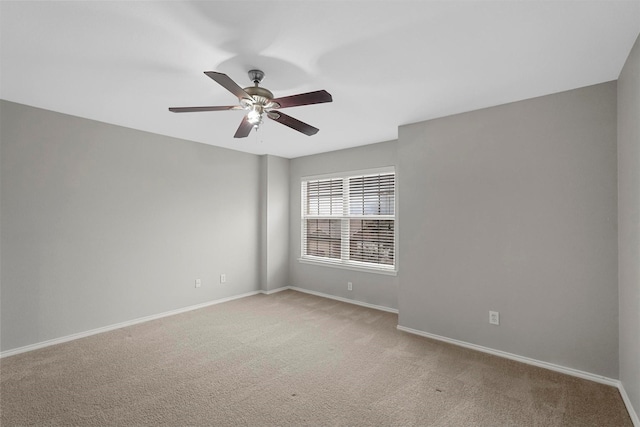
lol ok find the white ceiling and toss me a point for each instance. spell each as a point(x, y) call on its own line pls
point(386, 63)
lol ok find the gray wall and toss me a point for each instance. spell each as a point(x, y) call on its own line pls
point(102, 224)
point(370, 288)
point(514, 209)
point(275, 223)
point(629, 224)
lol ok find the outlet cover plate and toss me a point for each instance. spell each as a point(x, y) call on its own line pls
point(494, 317)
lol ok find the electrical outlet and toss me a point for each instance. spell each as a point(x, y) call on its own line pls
point(223, 278)
point(198, 283)
point(349, 286)
point(494, 317)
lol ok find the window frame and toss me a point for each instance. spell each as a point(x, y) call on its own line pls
point(345, 219)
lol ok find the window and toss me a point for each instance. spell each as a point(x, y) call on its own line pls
point(349, 220)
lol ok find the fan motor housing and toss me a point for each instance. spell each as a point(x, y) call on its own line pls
point(256, 92)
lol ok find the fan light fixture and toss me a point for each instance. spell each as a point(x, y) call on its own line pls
point(255, 115)
point(256, 100)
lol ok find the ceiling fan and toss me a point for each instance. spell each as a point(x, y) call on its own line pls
point(257, 101)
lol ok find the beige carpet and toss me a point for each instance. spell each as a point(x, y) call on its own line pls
point(288, 359)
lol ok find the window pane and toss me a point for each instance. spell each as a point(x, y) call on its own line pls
point(338, 219)
point(372, 241)
point(372, 195)
point(324, 197)
point(322, 238)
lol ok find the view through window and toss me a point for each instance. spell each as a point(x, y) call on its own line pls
point(350, 220)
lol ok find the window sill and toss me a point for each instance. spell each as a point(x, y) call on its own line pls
point(386, 272)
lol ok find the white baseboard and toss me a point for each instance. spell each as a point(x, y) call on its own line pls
point(627, 402)
point(273, 291)
point(79, 335)
point(529, 361)
point(108, 328)
point(347, 300)
point(552, 366)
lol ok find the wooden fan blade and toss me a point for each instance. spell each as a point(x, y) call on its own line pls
point(194, 109)
point(226, 82)
point(317, 97)
point(292, 123)
point(244, 129)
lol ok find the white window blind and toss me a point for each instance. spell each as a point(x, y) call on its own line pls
point(350, 220)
